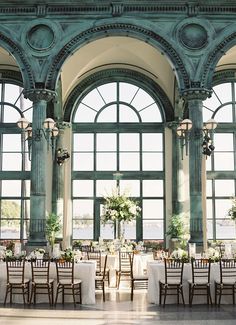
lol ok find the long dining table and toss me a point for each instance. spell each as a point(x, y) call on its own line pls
point(84, 270)
point(156, 272)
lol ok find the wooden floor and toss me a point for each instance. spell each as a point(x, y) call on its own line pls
point(118, 310)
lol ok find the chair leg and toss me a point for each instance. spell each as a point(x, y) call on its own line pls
point(220, 292)
point(165, 294)
point(57, 294)
point(233, 295)
point(103, 291)
point(182, 294)
point(7, 290)
point(216, 293)
point(73, 292)
point(132, 290)
point(160, 293)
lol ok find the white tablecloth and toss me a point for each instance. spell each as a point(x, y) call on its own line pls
point(139, 265)
point(156, 271)
point(84, 270)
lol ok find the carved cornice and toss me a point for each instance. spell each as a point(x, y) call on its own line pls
point(117, 8)
point(116, 29)
point(62, 125)
point(36, 95)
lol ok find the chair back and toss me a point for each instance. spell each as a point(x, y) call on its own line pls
point(173, 270)
point(86, 248)
point(104, 271)
point(96, 256)
point(124, 262)
point(40, 269)
point(201, 269)
point(227, 270)
point(15, 270)
point(65, 270)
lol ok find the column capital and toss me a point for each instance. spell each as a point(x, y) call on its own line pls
point(196, 93)
point(40, 94)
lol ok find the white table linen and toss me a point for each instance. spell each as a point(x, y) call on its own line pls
point(156, 272)
point(84, 270)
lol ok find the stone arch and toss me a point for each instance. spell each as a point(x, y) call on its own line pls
point(126, 74)
point(19, 54)
point(119, 29)
point(225, 41)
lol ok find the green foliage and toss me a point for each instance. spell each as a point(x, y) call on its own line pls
point(176, 226)
point(53, 227)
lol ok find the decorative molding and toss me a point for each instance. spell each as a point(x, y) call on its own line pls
point(116, 29)
point(117, 9)
point(62, 125)
point(36, 95)
point(16, 51)
point(41, 10)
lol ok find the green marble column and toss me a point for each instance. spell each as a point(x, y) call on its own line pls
point(37, 236)
point(195, 98)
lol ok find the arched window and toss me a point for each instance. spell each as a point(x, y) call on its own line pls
point(221, 166)
point(14, 162)
point(118, 141)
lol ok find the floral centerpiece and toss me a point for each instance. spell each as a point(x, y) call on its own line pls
point(119, 208)
point(181, 255)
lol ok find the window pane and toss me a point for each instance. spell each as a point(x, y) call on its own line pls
point(142, 99)
point(106, 161)
point(11, 188)
point(11, 142)
point(151, 114)
point(129, 142)
point(11, 161)
point(84, 114)
point(83, 142)
point(106, 142)
point(153, 229)
point(225, 114)
point(152, 142)
point(209, 209)
point(223, 141)
point(129, 161)
point(152, 161)
point(153, 209)
point(225, 228)
point(127, 92)
point(127, 114)
point(132, 187)
point(83, 209)
point(82, 229)
point(105, 187)
point(11, 115)
point(222, 208)
point(224, 161)
point(93, 100)
point(108, 92)
point(83, 161)
point(224, 187)
point(224, 92)
point(153, 188)
point(130, 230)
point(12, 92)
point(10, 229)
point(83, 188)
point(209, 229)
point(209, 187)
point(109, 114)
point(10, 209)
point(107, 231)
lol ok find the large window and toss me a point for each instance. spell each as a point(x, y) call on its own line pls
point(118, 131)
point(221, 166)
point(14, 164)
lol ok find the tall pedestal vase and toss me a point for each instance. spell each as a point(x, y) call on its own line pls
point(119, 229)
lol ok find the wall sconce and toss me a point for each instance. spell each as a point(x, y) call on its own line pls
point(183, 132)
point(62, 156)
point(49, 132)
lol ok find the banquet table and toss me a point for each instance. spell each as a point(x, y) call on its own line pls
point(156, 272)
point(84, 270)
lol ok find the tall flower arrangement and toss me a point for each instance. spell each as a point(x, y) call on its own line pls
point(119, 207)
